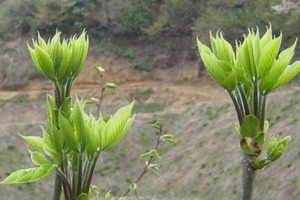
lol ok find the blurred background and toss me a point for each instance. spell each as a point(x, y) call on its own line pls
point(148, 48)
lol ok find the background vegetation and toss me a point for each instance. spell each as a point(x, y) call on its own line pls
point(152, 33)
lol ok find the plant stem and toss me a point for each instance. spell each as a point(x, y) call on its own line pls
point(66, 185)
point(89, 174)
point(57, 181)
point(244, 100)
point(255, 101)
point(248, 175)
point(262, 112)
point(57, 187)
point(236, 105)
point(100, 103)
point(148, 163)
point(79, 183)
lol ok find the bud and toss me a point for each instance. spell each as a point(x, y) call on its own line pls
point(276, 148)
point(151, 166)
point(260, 163)
point(110, 86)
point(99, 70)
point(60, 60)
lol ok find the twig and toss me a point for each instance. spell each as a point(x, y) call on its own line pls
point(146, 168)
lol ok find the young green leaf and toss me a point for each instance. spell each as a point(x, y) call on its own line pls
point(36, 142)
point(155, 171)
point(110, 86)
point(92, 136)
point(117, 126)
point(250, 127)
point(29, 175)
point(270, 78)
point(290, 72)
point(45, 62)
point(49, 148)
point(68, 132)
point(57, 138)
point(78, 123)
point(66, 107)
point(268, 56)
point(83, 196)
point(99, 70)
point(51, 112)
point(260, 163)
point(167, 137)
point(39, 159)
point(108, 196)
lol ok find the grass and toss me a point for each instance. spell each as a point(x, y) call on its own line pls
point(126, 53)
point(142, 106)
point(150, 108)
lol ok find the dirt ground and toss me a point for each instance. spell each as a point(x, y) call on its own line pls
point(203, 165)
point(176, 86)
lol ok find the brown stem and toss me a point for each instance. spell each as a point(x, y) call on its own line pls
point(248, 175)
point(148, 163)
point(57, 187)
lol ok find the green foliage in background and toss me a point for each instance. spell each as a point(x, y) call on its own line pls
point(150, 17)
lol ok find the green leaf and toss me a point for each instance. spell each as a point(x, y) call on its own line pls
point(154, 170)
point(49, 148)
point(288, 53)
point(146, 155)
point(78, 123)
point(260, 139)
point(82, 196)
point(108, 196)
point(35, 59)
point(152, 153)
point(157, 125)
point(230, 81)
point(251, 55)
point(250, 127)
point(66, 107)
point(276, 148)
point(55, 51)
point(99, 70)
point(268, 56)
point(45, 62)
point(62, 70)
point(92, 136)
point(51, 112)
point(110, 86)
point(220, 66)
point(36, 142)
point(68, 133)
point(57, 139)
point(117, 126)
point(79, 53)
point(221, 48)
point(270, 78)
point(167, 137)
point(243, 60)
point(289, 73)
point(39, 159)
point(260, 163)
point(267, 37)
point(133, 187)
point(29, 175)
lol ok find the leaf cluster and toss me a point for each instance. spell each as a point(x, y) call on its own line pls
point(249, 73)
